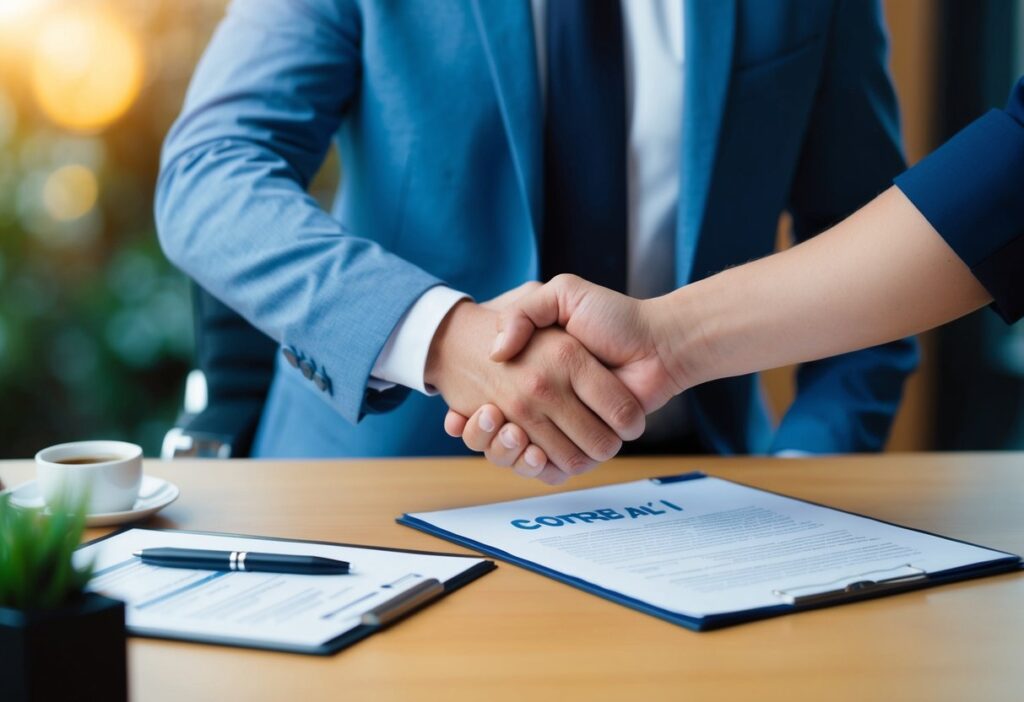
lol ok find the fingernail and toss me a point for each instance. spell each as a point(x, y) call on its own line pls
point(508, 439)
point(498, 341)
point(533, 460)
point(486, 423)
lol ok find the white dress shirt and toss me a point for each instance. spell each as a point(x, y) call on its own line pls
point(653, 43)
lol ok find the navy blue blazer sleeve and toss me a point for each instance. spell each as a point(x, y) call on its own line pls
point(972, 191)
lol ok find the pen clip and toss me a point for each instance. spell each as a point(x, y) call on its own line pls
point(851, 585)
point(402, 603)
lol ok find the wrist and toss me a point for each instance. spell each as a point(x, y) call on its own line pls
point(466, 327)
point(682, 336)
point(403, 359)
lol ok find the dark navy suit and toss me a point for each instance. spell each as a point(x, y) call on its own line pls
point(972, 191)
point(437, 113)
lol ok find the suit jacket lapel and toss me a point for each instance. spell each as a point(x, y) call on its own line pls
point(710, 32)
point(506, 31)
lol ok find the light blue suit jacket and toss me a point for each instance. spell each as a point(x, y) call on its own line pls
point(436, 110)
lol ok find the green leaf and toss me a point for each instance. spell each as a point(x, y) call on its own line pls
point(37, 568)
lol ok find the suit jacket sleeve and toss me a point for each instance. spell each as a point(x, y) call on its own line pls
point(850, 154)
point(232, 209)
point(972, 191)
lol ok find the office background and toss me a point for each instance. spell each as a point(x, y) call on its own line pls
point(95, 326)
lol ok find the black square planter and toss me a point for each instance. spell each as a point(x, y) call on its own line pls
point(73, 653)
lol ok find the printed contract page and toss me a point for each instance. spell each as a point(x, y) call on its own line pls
point(703, 546)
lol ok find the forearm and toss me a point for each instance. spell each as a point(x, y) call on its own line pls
point(232, 209)
point(247, 233)
point(882, 274)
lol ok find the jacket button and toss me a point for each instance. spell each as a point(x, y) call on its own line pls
point(307, 367)
point(291, 356)
point(323, 383)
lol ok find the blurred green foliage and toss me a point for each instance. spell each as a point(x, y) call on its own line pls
point(95, 325)
point(37, 570)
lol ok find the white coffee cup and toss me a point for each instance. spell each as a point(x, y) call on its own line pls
point(109, 472)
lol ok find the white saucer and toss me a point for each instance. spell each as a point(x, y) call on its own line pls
point(154, 494)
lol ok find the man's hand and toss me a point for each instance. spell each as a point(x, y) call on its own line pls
point(619, 330)
point(624, 333)
point(563, 398)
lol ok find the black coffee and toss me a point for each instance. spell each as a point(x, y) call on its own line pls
point(86, 460)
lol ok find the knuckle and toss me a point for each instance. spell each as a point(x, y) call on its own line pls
point(520, 408)
point(565, 279)
point(496, 415)
point(538, 386)
point(518, 436)
point(474, 442)
point(576, 463)
point(605, 446)
point(566, 352)
point(535, 425)
point(627, 414)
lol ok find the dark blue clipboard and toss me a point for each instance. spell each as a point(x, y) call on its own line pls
point(716, 621)
point(330, 646)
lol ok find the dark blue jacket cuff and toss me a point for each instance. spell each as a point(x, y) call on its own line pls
point(972, 191)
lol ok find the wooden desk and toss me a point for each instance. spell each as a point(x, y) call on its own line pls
point(517, 635)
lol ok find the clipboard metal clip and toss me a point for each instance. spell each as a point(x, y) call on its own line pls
point(403, 603)
point(843, 588)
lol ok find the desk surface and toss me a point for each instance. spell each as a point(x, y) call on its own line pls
point(517, 635)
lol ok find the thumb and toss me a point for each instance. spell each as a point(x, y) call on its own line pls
point(509, 296)
point(538, 308)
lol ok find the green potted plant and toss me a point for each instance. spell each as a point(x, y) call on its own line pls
point(57, 640)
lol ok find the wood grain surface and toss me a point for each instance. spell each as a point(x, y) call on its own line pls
point(517, 635)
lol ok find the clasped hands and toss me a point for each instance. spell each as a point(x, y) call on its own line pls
point(551, 379)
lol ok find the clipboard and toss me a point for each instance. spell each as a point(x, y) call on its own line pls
point(384, 614)
point(855, 586)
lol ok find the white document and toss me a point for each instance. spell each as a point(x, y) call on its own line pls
point(262, 609)
point(703, 546)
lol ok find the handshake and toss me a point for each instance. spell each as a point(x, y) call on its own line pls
point(551, 379)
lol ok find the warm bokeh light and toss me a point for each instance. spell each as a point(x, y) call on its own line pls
point(95, 325)
point(17, 9)
point(70, 192)
point(86, 68)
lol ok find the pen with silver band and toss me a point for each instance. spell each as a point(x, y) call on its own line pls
point(241, 561)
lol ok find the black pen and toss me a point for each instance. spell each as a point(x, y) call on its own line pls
point(241, 561)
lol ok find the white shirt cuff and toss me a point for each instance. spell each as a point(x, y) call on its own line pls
point(403, 360)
